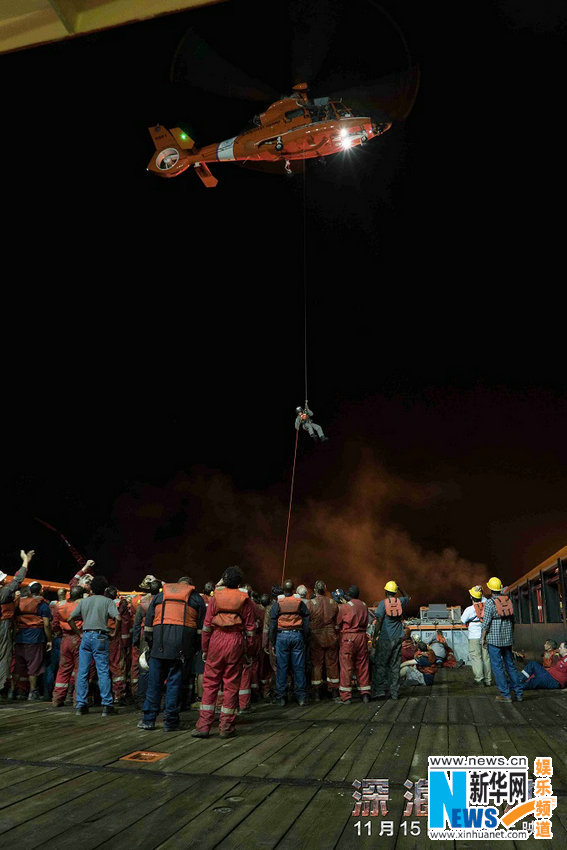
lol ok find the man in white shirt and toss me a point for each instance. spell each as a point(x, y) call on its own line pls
point(472, 617)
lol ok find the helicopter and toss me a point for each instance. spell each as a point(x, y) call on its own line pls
point(317, 120)
point(291, 129)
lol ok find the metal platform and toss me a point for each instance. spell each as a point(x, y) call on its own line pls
point(284, 781)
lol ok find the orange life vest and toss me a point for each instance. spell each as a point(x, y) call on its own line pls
point(504, 607)
point(479, 610)
point(64, 612)
point(550, 656)
point(135, 601)
point(229, 602)
point(290, 618)
point(175, 609)
point(8, 610)
point(431, 669)
point(393, 606)
point(26, 613)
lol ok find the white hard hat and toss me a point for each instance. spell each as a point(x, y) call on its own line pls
point(143, 660)
point(3, 575)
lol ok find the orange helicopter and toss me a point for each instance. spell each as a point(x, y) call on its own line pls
point(291, 129)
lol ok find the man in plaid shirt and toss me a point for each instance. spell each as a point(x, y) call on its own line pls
point(497, 632)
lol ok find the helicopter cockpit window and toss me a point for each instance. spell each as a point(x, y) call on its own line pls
point(341, 110)
point(294, 113)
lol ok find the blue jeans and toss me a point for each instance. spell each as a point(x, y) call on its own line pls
point(94, 647)
point(160, 668)
point(290, 647)
point(540, 678)
point(52, 667)
point(502, 662)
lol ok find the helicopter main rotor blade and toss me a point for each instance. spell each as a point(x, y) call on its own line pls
point(195, 63)
point(313, 23)
point(392, 96)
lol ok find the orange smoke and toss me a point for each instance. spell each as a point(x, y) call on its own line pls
point(198, 524)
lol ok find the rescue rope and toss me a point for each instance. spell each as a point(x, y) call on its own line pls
point(305, 282)
point(290, 503)
point(305, 371)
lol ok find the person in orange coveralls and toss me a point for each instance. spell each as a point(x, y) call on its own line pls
point(70, 645)
point(323, 611)
point(352, 620)
point(227, 640)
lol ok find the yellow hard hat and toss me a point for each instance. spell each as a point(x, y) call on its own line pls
point(391, 587)
point(476, 592)
point(494, 583)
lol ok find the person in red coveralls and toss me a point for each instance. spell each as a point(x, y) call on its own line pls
point(409, 646)
point(352, 620)
point(535, 675)
point(70, 645)
point(268, 664)
point(227, 640)
point(118, 646)
point(323, 611)
point(249, 682)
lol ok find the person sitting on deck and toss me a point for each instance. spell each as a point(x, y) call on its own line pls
point(421, 669)
point(409, 646)
point(550, 654)
point(535, 675)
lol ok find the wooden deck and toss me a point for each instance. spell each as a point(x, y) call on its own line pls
point(285, 781)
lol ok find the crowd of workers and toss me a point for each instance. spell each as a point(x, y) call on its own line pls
point(170, 647)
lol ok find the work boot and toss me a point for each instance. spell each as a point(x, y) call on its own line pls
point(82, 709)
point(365, 698)
point(11, 695)
point(143, 724)
point(278, 701)
point(500, 698)
point(196, 733)
point(317, 696)
point(228, 734)
point(174, 728)
point(301, 701)
point(519, 697)
point(34, 695)
point(108, 710)
point(379, 695)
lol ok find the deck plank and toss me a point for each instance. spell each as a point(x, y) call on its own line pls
point(270, 821)
point(218, 822)
point(157, 826)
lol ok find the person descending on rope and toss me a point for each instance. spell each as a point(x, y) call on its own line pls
point(304, 419)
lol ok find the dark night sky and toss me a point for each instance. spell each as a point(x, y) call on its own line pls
point(153, 330)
